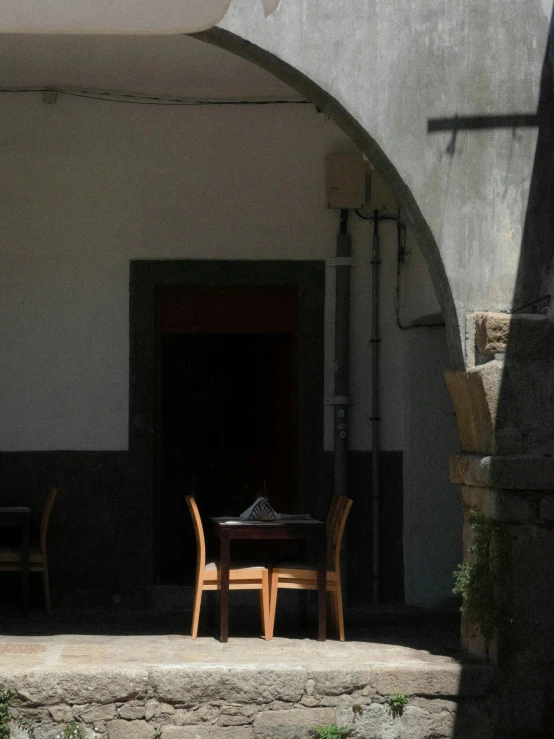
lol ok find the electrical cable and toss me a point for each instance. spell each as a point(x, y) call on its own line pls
point(401, 229)
point(135, 99)
point(401, 253)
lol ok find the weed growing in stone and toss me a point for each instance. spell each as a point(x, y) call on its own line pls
point(332, 732)
point(73, 730)
point(479, 581)
point(6, 717)
point(396, 704)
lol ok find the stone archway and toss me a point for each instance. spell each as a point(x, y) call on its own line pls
point(367, 144)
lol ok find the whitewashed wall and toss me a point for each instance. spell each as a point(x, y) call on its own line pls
point(88, 185)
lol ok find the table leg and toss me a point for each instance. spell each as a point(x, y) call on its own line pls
point(25, 554)
point(322, 589)
point(225, 553)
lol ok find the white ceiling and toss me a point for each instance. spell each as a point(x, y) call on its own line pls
point(166, 66)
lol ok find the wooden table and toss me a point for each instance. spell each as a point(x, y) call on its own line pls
point(288, 528)
point(20, 516)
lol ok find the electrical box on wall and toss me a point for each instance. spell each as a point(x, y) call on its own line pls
point(380, 197)
point(344, 181)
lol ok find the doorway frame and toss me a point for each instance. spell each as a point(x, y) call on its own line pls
point(145, 278)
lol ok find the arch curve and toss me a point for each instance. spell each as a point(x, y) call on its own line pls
point(365, 142)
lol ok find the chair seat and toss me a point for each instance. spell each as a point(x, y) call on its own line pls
point(298, 565)
point(302, 571)
point(215, 564)
point(9, 556)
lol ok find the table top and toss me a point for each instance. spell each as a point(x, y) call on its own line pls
point(289, 520)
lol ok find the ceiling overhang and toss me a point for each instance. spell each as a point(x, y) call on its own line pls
point(114, 16)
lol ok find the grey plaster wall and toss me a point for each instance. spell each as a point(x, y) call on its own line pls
point(432, 550)
point(390, 72)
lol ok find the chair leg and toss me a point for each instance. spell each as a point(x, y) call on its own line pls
point(340, 614)
point(265, 601)
point(196, 607)
point(273, 601)
point(46, 586)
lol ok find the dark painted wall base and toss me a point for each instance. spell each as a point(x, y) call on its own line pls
point(87, 534)
point(93, 548)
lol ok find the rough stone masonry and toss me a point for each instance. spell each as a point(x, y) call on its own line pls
point(252, 702)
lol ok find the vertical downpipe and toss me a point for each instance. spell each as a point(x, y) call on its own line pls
point(375, 403)
point(342, 352)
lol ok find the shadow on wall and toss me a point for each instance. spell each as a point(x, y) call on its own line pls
point(516, 358)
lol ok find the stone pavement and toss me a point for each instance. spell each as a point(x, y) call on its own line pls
point(142, 686)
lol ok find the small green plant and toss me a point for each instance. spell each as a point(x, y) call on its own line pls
point(357, 710)
point(396, 704)
point(73, 730)
point(479, 580)
point(6, 717)
point(158, 734)
point(332, 732)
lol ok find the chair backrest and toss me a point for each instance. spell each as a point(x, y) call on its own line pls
point(336, 521)
point(199, 533)
point(46, 518)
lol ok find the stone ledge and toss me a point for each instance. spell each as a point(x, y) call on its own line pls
point(527, 336)
point(502, 505)
point(524, 473)
point(263, 698)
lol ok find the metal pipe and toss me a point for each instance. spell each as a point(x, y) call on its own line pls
point(342, 356)
point(375, 405)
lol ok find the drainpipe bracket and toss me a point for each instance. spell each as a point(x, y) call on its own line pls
point(342, 262)
point(337, 400)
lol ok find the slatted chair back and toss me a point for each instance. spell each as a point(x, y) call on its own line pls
point(46, 519)
point(336, 522)
point(199, 533)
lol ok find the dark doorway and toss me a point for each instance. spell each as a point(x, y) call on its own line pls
point(227, 411)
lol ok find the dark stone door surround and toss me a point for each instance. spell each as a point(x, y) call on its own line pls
point(146, 277)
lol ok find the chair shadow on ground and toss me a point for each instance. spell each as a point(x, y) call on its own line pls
point(431, 631)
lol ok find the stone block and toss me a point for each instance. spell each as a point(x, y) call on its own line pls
point(98, 713)
point(309, 701)
point(523, 472)
point(474, 409)
point(504, 408)
point(199, 715)
point(83, 685)
point(227, 720)
point(120, 729)
point(46, 731)
point(328, 682)
point(61, 714)
point(502, 505)
point(229, 684)
point(132, 710)
point(529, 648)
point(528, 336)
point(152, 708)
point(207, 732)
point(466, 679)
point(374, 723)
point(295, 723)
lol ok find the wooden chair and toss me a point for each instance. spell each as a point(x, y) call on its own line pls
point(10, 559)
point(208, 576)
point(304, 577)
